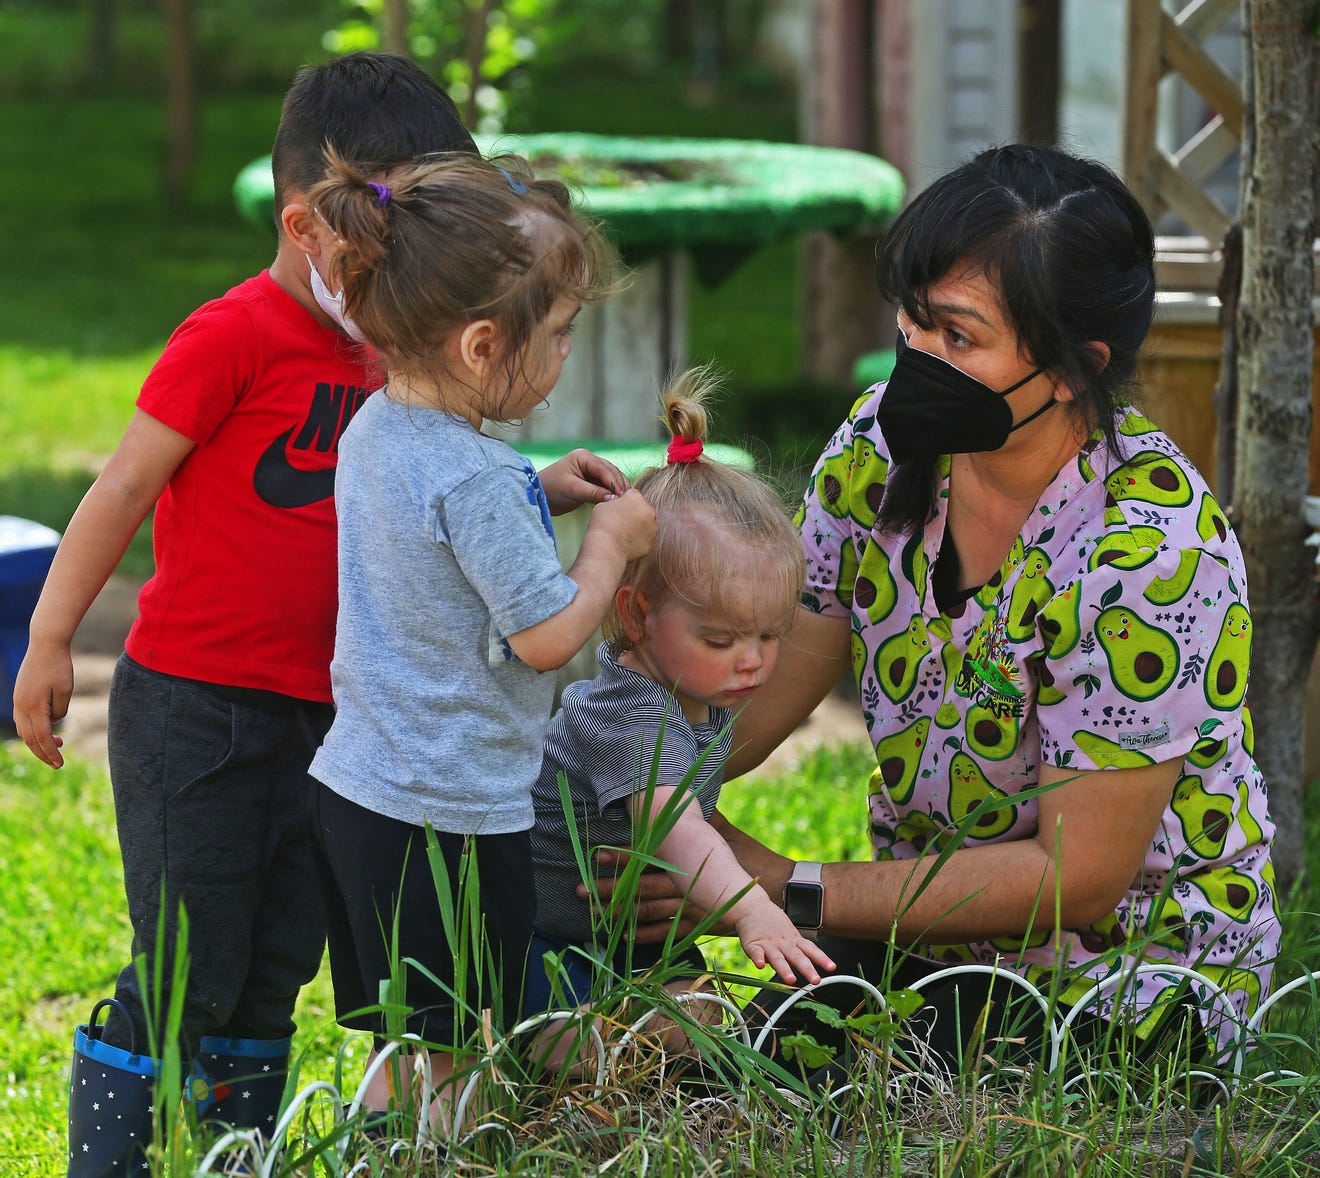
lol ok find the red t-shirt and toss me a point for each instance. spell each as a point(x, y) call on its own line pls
point(244, 537)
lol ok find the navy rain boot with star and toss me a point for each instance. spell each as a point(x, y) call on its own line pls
point(245, 1078)
point(111, 1104)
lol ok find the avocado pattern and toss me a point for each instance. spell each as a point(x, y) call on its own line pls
point(968, 788)
point(1166, 924)
point(832, 483)
point(899, 658)
point(1167, 590)
point(1206, 817)
point(1134, 425)
point(1150, 477)
point(1061, 621)
point(1108, 634)
point(857, 654)
point(1031, 591)
point(1229, 891)
point(1107, 754)
point(1226, 676)
point(874, 591)
point(990, 733)
point(1211, 523)
point(898, 759)
point(1251, 829)
point(1128, 550)
point(1142, 658)
point(1047, 690)
point(916, 564)
point(1013, 945)
point(867, 489)
point(948, 715)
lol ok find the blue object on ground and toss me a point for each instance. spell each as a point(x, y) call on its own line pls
point(26, 550)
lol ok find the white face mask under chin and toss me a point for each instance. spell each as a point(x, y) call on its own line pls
point(333, 305)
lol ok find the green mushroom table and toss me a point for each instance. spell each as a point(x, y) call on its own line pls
point(667, 204)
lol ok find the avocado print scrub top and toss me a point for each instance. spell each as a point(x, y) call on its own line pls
point(1116, 634)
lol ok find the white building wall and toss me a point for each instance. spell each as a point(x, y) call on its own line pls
point(964, 81)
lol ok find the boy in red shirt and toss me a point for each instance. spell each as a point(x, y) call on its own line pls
point(223, 693)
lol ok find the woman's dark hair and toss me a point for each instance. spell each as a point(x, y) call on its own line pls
point(1072, 254)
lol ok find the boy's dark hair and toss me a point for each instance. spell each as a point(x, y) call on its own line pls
point(1072, 254)
point(376, 110)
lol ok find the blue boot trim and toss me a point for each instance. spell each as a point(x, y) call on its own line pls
point(241, 1081)
point(245, 1048)
point(112, 1096)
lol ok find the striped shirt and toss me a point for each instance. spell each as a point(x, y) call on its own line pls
point(604, 740)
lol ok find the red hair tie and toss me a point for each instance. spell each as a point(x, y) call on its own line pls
point(681, 451)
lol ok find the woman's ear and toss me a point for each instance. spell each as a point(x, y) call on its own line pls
point(1101, 353)
point(632, 609)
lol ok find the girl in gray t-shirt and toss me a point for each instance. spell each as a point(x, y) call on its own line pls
point(465, 278)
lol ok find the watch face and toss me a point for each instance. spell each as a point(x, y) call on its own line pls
point(805, 904)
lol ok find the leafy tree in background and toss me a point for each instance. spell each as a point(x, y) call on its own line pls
point(482, 50)
point(477, 49)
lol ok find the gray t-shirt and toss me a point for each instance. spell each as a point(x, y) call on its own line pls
point(445, 546)
point(603, 739)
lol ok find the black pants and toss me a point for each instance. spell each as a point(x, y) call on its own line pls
point(211, 788)
point(375, 870)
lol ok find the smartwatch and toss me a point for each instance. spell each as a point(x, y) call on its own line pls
point(804, 896)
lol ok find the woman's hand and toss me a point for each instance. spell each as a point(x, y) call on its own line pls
point(580, 477)
point(659, 901)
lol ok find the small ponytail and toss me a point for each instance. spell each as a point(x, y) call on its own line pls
point(708, 514)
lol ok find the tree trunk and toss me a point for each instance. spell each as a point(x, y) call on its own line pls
point(478, 26)
point(844, 317)
point(1274, 326)
point(101, 45)
point(396, 28)
point(180, 98)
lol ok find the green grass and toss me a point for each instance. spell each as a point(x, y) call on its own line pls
point(64, 935)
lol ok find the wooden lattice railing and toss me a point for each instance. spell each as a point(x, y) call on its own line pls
point(1160, 43)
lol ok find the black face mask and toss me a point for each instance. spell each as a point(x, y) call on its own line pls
point(932, 408)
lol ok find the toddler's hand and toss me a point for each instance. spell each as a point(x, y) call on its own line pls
point(629, 520)
point(769, 938)
point(580, 477)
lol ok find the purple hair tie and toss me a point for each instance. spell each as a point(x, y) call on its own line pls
point(382, 193)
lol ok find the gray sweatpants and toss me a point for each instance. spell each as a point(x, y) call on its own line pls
point(211, 787)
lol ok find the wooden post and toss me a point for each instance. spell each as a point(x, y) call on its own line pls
point(180, 98)
point(1275, 356)
point(843, 314)
point(623, 349)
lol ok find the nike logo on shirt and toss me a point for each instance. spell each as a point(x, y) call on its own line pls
point(278, 481)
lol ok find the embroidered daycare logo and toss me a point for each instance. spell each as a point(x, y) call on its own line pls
point(277, 480)
point(989, 675)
